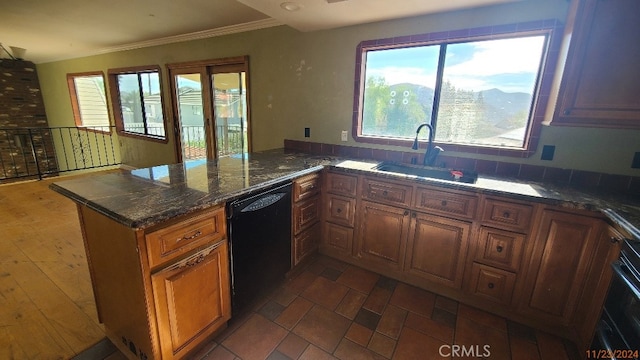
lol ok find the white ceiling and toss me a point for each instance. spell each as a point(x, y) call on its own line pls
point(53, 30)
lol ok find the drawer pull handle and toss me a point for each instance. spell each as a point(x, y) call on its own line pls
point(490, 285)
point(195, 261)
point(506, 215)
point(499, 248)
point(444, 203)
point(195, 235)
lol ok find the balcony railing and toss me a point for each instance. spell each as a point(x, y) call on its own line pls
point(40, 152)
point(230, 140)
point(29, 153)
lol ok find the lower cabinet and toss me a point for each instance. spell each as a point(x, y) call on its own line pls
point(491, 283)
point(382, 235)
point(545, 266)
point(192, 299)
point(562, 253)
point(437, 249)
point(306, 214)
point(305, 244)
point(160, 292)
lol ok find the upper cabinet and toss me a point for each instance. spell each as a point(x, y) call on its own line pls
point(601, 80)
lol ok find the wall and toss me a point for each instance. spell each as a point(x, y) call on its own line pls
point(303, 80)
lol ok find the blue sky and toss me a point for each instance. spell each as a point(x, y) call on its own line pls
point(510, 65)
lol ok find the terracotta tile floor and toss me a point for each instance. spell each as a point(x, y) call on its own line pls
point(335, 310)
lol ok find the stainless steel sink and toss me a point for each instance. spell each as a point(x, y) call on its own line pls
point(464, 176)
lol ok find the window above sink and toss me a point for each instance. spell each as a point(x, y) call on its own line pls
point(480, 88)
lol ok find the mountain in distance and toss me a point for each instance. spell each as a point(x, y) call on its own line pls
point(501, 106)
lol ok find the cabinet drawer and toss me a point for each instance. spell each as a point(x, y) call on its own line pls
point(305, 187)
point(341, 184)
point(169, 243)
point(340, 210)
point(500, 248)
point(507, 214)
point(305, 213)
point(441, 202)
point(386, 192)
point(492, 284)
point(338, 238)
point(305, 244)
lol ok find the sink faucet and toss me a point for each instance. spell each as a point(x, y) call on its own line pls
point(432, 151)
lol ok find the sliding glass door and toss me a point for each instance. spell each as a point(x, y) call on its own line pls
point(210, 101)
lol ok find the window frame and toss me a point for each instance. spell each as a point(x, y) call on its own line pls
point(553, 28)
point(75, 104)
point(114, 91)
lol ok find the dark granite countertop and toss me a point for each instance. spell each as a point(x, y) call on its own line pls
point(143, 197)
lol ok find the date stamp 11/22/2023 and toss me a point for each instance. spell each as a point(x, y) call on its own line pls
point(613, 354)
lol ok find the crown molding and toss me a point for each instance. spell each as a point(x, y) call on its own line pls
point(226, 30)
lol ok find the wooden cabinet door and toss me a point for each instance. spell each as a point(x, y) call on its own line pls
point(437, 249)
point(382, 235)
point(602, 75)
point(192, 299)
point(561, 257)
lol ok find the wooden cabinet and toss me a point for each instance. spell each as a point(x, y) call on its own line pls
point(545, 266)
point(601, 80)
point(306, 215)
point(382, 234)
point(596, 286)
point(160, 292)
point(562, 253)
point(498, 249)
point(200, 279)
point(437, 249)
point(491, 283)
point(338, 214)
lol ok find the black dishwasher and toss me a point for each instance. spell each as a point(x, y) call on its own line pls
point(259, 229)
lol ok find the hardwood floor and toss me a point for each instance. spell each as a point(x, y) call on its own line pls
point(47, 310)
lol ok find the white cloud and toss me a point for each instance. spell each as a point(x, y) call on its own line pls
point(507, 56)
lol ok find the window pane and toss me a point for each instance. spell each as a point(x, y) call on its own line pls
point(487, 90)
point(152, 103)
point(140, 103)
point(130, 103)
point(91, 100)
point(398, 93)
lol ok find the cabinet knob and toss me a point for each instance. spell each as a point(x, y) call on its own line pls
point(567, 112)
point(384, 193)
point(444, 203)
point(614, 240)
point(490, 286)
point(413, 215)
point(499, 248)
point(506, 215)
point(406, 212)
point(339, 210)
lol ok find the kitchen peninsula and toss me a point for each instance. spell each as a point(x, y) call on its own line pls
point(156, 241)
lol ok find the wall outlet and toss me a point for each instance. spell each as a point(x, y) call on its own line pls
point(635, 164)
point(344, 135)
point(548, 152)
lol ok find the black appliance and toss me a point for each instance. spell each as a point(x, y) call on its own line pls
point(618, 332)
point(259, 229)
